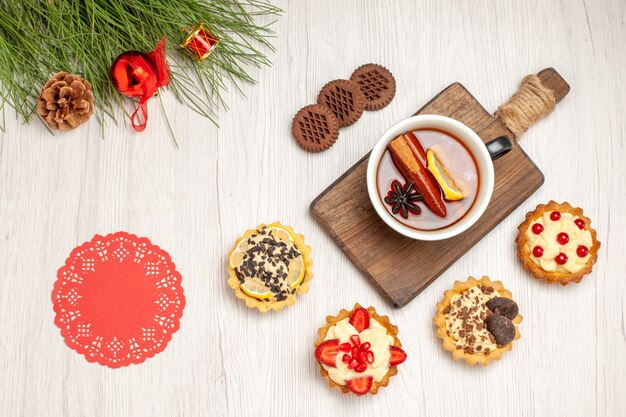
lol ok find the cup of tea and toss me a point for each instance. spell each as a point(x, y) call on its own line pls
point(431, 177)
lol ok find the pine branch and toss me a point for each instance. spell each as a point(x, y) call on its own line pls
point(41, 37)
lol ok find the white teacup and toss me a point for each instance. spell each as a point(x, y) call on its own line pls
point(473, 143)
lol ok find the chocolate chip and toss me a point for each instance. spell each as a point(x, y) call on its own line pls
point(501, 328)
point(486, 290)
point(447, 309)
point(503, 306)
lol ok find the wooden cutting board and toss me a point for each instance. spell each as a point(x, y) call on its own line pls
point(398, 267)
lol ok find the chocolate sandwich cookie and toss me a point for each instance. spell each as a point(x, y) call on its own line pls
point(345, 99)
point(376, 83)
point(315, 128)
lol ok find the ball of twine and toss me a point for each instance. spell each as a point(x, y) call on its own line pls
point(530, 103)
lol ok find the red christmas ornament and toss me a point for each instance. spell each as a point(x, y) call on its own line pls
point(139, 74)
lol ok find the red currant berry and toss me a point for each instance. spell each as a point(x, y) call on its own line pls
point(555, 215)
point(582, 251)
point(537, 228)
point(537, 251)
point(562, 238)
point(580, 223)
point(561, 258)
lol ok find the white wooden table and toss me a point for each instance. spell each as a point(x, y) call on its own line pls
point(58, 191)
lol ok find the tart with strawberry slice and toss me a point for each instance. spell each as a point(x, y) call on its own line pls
point(556, 242)
point(269, 266)
point(358, 350)
point(477, 321)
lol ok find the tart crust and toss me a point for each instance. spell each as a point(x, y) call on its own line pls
point(265, 306)
point(384, 321)
point(523, 253)
point(448, 341)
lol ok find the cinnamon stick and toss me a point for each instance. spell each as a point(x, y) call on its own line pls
point(409, 164)
point(416, 147)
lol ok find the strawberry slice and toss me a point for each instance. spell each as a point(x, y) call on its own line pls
point(326, 352)
point(360, 319)
point(397, 356)
point(360, 386)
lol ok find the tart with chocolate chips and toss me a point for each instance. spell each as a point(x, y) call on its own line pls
point(358, 351)
point(269, 266)
point(557, 243)
point(477, 321)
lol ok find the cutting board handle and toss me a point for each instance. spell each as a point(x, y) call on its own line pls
point(535, 98)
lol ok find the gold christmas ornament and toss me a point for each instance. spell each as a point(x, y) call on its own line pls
point(66, 101)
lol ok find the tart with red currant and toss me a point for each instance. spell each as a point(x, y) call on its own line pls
point(358, 351)
point(477, 321)
point(269, 266)
point(556, 242)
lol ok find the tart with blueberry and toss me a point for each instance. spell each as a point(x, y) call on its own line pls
point(556, 242)
point(477, 321)
point(269, 266)
point(358, 351)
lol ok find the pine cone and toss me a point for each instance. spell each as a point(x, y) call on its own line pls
point(66, 101)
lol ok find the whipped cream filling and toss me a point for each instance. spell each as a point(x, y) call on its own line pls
point(547, 240)
point(465, 320)
point(376, 335)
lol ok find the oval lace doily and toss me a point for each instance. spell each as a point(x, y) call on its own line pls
point(118, 299)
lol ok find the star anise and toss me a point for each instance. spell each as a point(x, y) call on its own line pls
point(402, 199)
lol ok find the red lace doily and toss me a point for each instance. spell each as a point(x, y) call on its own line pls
point(118, 299)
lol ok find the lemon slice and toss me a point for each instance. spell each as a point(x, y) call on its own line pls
point(296, 272)
point(451, 191)
point(236, 258)
point(255, 288)
point(281, 233)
